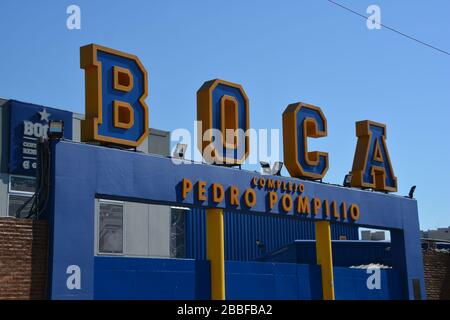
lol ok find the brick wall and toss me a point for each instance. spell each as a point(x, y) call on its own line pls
point(23, 258)
point(437, 274)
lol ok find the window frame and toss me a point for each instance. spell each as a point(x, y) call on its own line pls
point(97, 251)
point(8, 201)
point(18, 192)
point(96, 246)
point(185, 212)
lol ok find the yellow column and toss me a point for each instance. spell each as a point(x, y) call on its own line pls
point(325, 258)
point(215, 252)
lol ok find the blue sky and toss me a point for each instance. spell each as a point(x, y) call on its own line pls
point(281, 52)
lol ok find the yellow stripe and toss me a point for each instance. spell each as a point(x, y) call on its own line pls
point(215, 252)
point(325, 258)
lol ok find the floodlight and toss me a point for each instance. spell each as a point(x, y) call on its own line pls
point(347, 180)
point(277, 166)
point(265, 166)
point(55, 129)
point(180, 151)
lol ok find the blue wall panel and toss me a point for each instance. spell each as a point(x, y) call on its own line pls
point(196, 234)
point(242, 230)
point(351, 284)
point(262, 281)
point(253, 280)
point(143, 278)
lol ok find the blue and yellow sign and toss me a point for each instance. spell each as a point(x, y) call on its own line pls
point(300, 122)
point(372, 167)
point(279, 195)
point(223, 112)
point(116, 88)
point(27, 124)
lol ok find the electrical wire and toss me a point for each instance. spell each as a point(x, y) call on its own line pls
point(391, 29)
point(40, 198)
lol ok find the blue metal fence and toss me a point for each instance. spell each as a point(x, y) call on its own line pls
point(243, 230)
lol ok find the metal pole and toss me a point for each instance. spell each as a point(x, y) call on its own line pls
point(325, 258)
point(215, 252)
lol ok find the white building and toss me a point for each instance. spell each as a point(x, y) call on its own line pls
point(438, 234)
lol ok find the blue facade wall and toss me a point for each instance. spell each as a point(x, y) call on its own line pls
point(242, 230)
point(145, 278)
point(351, 284)
point(272, 281)
point(81, 172)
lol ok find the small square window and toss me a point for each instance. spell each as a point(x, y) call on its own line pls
point(178, 232)
point(110, 237)
point(20, 184)
point(16, 202)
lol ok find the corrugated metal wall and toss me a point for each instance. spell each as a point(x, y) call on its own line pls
point(345, 253)
point(243, 230)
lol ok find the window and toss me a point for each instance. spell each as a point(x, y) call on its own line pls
point(15, 202)
point(20, 184)
point(21, 189)
point(134, 229)
point(178, 232)
point(110, 228)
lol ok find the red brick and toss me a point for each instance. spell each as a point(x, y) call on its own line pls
point(23, 259)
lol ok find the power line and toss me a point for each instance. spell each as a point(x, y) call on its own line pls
point(391, 29)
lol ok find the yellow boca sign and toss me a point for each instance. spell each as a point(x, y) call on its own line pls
point(116, 88)
point(116, 113)
point(288, 195)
